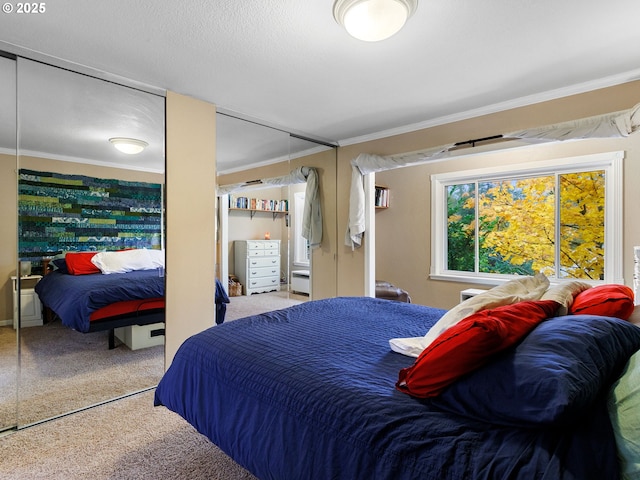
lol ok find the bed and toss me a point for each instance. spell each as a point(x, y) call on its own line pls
point(313, 391)
point(91, 291)
point(96, 302)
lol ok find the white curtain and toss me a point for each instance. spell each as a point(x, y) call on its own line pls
point(366, 163)
point(617, 124)
point(312, 212)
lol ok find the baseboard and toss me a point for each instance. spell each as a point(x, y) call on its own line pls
point(6, 323)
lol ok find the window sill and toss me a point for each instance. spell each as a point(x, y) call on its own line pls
point(498, 280)
point(491, 282)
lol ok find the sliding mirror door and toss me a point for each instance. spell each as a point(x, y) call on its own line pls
point(8, 259)
point(252, 216)
point(262, 182)
point(77, 196)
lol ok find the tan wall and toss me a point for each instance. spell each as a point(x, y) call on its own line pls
point(73, 168)
point(403, 232)
point(190, 215)
point(9, 206)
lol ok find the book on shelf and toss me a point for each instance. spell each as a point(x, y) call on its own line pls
point(268, 205)
point(381, 197)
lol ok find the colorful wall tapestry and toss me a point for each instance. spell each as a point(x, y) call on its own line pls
point(61, 213)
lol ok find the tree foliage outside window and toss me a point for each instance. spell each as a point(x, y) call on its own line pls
point(520, 226)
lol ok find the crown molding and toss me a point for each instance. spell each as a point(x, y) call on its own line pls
point(500, 107)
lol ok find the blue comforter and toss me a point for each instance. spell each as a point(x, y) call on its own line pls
point(75, 297)
point(309, 392)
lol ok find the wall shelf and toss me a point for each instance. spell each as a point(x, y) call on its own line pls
point(381, 197)
point(252, 212)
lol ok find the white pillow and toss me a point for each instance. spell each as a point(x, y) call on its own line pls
point(513, 291)
point(564, 294)
point(518, 290)
point(123, 261)
point(157, 257)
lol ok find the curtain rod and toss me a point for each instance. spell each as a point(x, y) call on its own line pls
point(477, 140)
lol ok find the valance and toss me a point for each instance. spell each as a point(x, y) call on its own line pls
point(610, 125)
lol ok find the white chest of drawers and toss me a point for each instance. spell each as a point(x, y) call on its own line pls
point(257, 265)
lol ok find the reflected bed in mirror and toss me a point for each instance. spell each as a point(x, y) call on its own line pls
point(79, 195)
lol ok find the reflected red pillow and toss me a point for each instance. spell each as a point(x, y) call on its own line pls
point(79, 263)
point(470, 344)
point(607, 300)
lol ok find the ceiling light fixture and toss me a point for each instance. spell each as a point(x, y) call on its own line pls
point(130, 146)
point(373, 20)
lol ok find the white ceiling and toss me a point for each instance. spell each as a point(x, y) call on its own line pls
point(287, 63)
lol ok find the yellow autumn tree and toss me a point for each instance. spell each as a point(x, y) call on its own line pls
point(517, 225)
point(582, 225)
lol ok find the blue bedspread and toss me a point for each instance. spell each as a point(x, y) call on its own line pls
point(74, 297)
point(308, 393)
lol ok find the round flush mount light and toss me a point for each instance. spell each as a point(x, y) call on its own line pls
point(130, 146)
point(373, 20)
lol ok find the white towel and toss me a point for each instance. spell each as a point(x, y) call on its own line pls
point(411, 347)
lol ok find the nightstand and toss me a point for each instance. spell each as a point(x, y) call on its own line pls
point(30, 305)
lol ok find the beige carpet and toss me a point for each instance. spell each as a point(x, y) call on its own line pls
point(244, 306)
point(127, 438)
point(62, 370)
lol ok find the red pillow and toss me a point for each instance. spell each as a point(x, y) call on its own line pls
point(79, 263)
point(469, 344)
point(606, 300)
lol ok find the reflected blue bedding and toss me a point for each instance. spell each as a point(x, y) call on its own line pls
point(74, 297)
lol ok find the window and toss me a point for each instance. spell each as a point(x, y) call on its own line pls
point(301, 255)
point(562, 218)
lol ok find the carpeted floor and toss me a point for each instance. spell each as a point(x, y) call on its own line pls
point(244, 306)
point(127, 438)
point(62, 370)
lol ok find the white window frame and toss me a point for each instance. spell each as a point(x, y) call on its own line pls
point(610, 162)
point(301, 253)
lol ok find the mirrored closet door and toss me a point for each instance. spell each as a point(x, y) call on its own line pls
point(261, 198)
point(253, 216)
point(8, 233)
point(78, 193)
